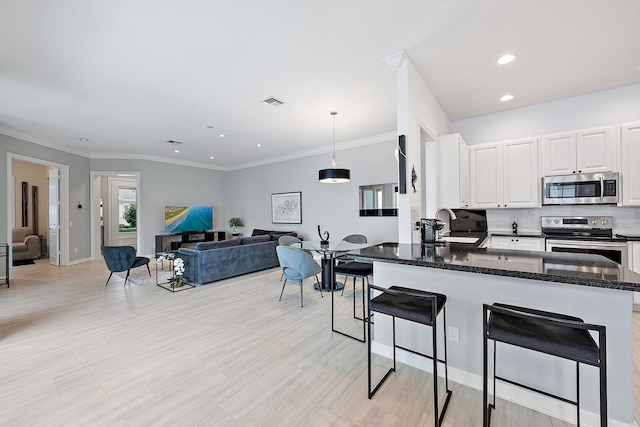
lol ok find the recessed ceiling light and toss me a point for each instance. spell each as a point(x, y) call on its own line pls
point(507, 97)
point(176, 151)
point(259, 145)
point(505, 59)
point(222, 135)
point(84, 139)
point(211, 157)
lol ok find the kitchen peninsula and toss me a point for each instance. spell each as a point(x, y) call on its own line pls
point(587, 286)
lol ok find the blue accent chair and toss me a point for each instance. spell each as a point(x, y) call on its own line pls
point(121, 258)
point(297, 265)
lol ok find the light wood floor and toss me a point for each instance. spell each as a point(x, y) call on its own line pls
point(74, 352)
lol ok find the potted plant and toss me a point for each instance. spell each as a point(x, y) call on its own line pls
point(234, 223)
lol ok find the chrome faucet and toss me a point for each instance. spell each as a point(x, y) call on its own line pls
point(452, 216)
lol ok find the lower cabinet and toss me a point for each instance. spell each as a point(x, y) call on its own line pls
point(517, 243)
point(505, 262)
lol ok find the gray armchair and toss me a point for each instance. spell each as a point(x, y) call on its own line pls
point(24, 244)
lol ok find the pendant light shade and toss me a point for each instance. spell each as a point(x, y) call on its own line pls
point(334, 175)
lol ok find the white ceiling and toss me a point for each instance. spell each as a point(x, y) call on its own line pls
point(130, 75)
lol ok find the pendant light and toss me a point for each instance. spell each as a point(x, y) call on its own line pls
point(334, 175)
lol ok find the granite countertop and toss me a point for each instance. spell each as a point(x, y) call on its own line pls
point(629, 236)
point(577, 269)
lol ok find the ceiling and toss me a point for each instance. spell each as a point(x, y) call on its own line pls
point(131, 75)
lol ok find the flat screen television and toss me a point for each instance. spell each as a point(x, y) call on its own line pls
point(186, 218)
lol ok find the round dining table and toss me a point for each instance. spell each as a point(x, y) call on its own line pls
point(330, 251)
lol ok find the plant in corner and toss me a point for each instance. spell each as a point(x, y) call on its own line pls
point(234, 223)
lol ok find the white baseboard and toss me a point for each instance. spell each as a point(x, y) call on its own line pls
point(517, 395)
point(79, 261)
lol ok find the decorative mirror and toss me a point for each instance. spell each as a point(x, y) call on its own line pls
point(378, 200)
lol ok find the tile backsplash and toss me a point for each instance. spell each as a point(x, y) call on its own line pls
point(625, 219)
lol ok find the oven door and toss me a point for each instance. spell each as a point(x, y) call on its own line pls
point(614, 251)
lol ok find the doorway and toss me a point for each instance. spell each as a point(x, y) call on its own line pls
point(115, 204)
point(32, 210)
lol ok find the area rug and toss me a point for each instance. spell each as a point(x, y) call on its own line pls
point(17, 262)
point(140, 275)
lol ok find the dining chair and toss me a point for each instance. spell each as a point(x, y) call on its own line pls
point(297, 265)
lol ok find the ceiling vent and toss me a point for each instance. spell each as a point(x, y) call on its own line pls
point(171, 141)
point(273, 102)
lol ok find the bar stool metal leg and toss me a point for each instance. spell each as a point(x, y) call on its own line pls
point(405, 307)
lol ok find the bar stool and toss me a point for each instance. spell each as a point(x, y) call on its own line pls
point(549, 333)
point(416, 306)
point(355, 270)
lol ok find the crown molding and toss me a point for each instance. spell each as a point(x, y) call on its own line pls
point(389, 136)
point(385, 137)
point(151, 158)
point(396, 60)
point(23, 136)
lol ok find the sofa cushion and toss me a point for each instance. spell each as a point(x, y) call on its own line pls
point(255, 239)
point(277, 235)
point(203, 246)
point(259, 232)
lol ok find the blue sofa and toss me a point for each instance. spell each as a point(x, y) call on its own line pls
point(211, 261)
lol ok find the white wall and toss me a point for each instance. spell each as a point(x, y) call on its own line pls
point(167, 184)
point(601, 108)
point(332, 206)
point(418, 112)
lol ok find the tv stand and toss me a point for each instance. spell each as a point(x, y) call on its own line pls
point(171, 242)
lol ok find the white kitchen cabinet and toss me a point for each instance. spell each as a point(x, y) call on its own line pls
point(485, 163)
point(504, 175)
point(520, 172)
point(505, 262)
point(630, 172)
point(517, 243)
point(585, 151)
point(465, 191)
point(453, 172)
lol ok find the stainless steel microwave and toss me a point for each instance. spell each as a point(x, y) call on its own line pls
point(581, 189)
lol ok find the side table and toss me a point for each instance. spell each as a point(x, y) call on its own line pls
point(5, 254)
point(171, 256)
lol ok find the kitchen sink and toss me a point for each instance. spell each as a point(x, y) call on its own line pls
point(456, 239)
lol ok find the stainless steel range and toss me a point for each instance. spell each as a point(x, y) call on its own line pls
point(585, 235)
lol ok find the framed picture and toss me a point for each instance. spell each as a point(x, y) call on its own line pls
point(286, 208)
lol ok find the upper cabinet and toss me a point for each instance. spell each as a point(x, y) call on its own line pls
point(504, 175)
point(453, 172)
point(486, 179)
point(520, 172)
point(630, 172)
point(586, 151)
